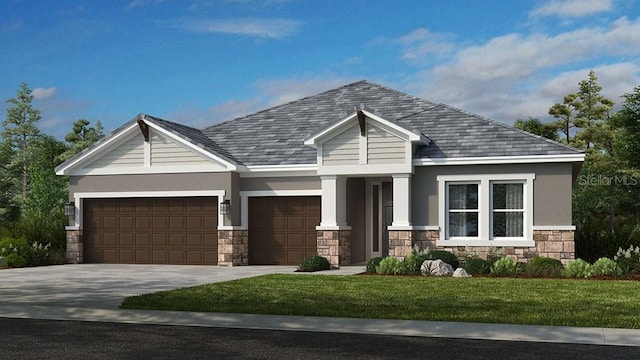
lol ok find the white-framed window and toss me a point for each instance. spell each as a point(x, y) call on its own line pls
point(486, 210)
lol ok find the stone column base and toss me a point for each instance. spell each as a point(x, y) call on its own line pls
point(335, 246)
point(233, 247)
point(74, 247)
point(400, 243)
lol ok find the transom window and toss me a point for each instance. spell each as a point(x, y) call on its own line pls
point(479, 210)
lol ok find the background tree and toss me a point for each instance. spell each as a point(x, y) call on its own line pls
point(82, 136)
point(537, 127)
point(20, 127)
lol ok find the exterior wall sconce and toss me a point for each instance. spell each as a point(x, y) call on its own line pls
point(225, 207)
point(70, 209)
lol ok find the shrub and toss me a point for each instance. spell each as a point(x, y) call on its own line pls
point(505, 266)
point(373, 263)
point(445, 256)
point(11, 245)
point(413, 261)
point(494, 254)
point(577, 268)
point(15, 261)
point(391, 266)
point(314, 263)
point(543, 266)
point(40, 254)
point(476, 266)
point(605, 267)
point(628, 260)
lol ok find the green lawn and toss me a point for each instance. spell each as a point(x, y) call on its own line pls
point(561, 302)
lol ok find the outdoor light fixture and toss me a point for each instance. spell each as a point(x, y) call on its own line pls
point(225, 207)
point(70, 209)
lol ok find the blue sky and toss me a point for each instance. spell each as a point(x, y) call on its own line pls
point(203, 61)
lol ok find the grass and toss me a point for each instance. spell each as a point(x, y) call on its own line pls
point(560, 302)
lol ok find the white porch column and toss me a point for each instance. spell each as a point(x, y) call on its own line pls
point(334, 202)
point(401, 201)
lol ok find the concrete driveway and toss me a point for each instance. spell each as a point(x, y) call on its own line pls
point(104, 286)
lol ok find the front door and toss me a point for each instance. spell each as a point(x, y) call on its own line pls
point(380, 217)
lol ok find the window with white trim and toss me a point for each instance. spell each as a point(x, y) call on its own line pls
point(485, 210)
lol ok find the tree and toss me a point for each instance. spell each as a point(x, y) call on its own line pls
point(537, 127)
point(81, 137)
point(19, 130)
point(585, 110)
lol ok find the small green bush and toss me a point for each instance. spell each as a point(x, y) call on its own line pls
point(628, 260)
point(413, 261)
point(445, 256)
point(505, 266)
point(373, 263)
point(391, 266)
point(605, 267)
point(577, 268)
point(14, 261)
point(543, 266)
point(477, 266)
point(494, 254)
point(10, 245)
point(314, 263)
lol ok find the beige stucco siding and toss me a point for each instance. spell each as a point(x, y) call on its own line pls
point(128, 154)
point(552, 190)
point(280, 183)
point(383, 147)
point(167, 152)
point(343, 149)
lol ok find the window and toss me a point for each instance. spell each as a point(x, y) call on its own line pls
point(486, 210)
point(462, 210)
point(507, 210)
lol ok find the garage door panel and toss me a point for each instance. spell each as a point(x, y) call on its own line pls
point(151, 230)
point(280, 229)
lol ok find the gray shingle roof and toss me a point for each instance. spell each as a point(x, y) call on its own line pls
point(275, 136)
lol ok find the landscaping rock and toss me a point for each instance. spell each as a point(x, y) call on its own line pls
point(460, 272)
point(436, 268)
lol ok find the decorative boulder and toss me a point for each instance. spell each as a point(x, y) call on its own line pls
point(436, 268)
point(460, 272)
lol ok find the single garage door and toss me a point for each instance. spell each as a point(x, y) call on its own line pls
point(282, 229)
point(151, 230)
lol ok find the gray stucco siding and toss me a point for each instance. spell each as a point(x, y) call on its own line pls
point(280, 183)
point(551, 190)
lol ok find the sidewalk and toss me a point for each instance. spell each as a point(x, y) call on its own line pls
point(506, 332)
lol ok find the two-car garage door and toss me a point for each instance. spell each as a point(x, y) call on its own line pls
point(184, 230)
point(151, 230)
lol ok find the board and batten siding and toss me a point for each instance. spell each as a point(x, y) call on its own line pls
point(383, 147)
point(166, 152)
point(128, 154)
point(344, 149)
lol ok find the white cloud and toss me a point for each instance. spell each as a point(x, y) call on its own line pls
point(142, 3)
point(572, 8)
point(256, 27)
point(43, 93)
point(421, 42)
point(515, 75)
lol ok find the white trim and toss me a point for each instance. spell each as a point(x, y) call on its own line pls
point(364, 146)
point(130, 170)
point(245, 195)
point(333, 228)
point(315, 139)
point(231, 227)
point(400, 228)
point(375, 169)
point(484, 210)
point(147, 153)
point(500, 160)
point(80, 196)
point(427, 227)
point(401, 201)
point(554, 227)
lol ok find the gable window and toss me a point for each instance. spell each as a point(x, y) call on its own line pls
point(486, 210)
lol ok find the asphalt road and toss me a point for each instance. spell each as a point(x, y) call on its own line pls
point(47, 339)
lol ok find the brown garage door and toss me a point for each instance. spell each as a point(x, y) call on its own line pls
point(282, 230)
point(151, 230)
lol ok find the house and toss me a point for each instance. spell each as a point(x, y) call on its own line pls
point(350, 174)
